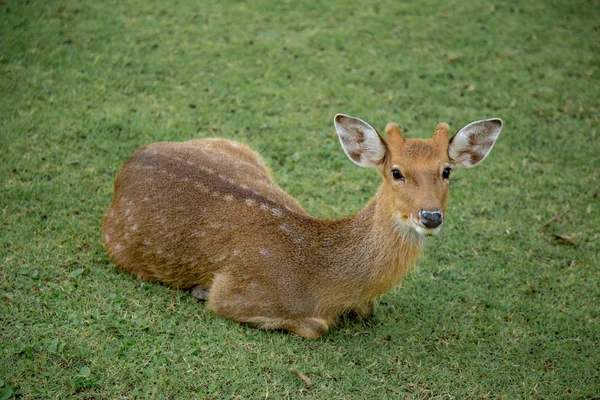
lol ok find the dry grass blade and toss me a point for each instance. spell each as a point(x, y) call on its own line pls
point(300, 375)
point(554, 218)
point(568, 239)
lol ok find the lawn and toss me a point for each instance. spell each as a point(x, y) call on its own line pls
point(504, 303)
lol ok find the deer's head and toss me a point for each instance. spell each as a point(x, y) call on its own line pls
point(416, 172)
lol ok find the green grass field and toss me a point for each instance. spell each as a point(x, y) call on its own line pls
point(505, 302)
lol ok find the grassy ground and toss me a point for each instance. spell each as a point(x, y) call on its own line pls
point(499, 307)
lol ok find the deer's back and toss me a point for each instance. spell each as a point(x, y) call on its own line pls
point(180, 210)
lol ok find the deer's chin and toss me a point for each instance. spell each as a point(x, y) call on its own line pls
point(421, 230)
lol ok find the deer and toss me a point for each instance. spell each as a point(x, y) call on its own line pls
point(204, 215)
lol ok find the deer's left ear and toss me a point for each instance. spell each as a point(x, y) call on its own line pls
point(471, 145)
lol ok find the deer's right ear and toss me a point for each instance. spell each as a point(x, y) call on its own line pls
point(360, 141)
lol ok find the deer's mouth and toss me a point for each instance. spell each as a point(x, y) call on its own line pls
point(422, 229)
point(406, 224)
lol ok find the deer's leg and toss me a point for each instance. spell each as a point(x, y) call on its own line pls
point(248, 303)
point(364, 310)
point(309, 327)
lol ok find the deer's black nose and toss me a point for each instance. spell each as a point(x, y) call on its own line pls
point(431, 219)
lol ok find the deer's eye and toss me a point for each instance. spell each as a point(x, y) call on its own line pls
point(446, 173)
point(397, 175)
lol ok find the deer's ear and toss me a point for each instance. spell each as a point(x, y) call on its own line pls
point(360, 141)
point(471, 145)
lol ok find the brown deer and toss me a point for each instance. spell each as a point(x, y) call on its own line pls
point(205, 215)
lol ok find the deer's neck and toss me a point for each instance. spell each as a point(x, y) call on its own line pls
point(376, 249)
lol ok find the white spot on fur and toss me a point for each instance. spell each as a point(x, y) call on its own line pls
point(106, 238)
point(276, 212)
point(218, 258)
point(134, 228)
point(286, 229)
point(264, 207)
point(283, 281)
point(299, 239)
point(147, 242)
point(215, 225)
point(202, 187)
point(228, 197)
point(265, 252)
point(250, 202)
point(215, 194)
point(328, 241)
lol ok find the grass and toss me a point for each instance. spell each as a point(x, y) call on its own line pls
point(498, 306)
